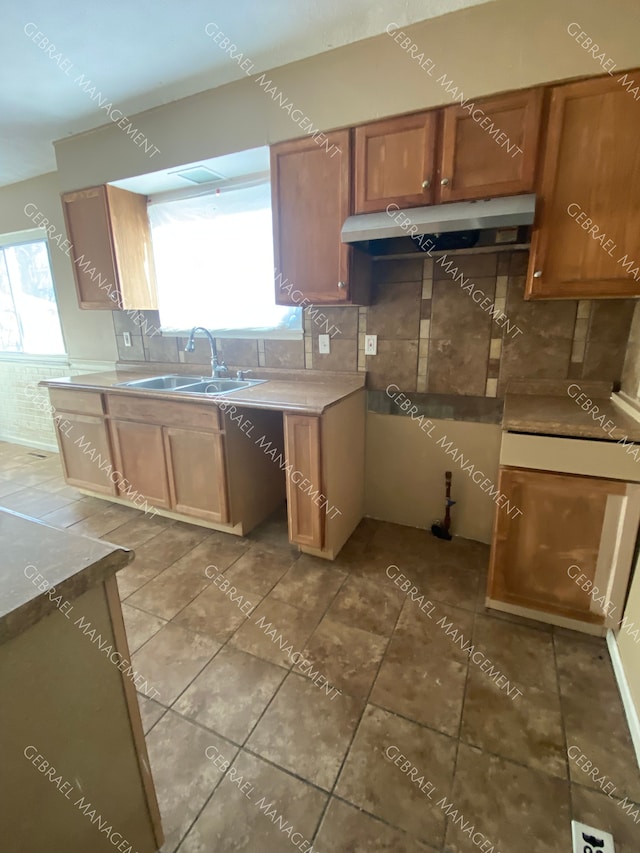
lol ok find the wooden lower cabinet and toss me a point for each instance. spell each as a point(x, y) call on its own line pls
point(302, 447)
point(196, 470)
point(138, 451)
point(566, 521)
point(84, 447)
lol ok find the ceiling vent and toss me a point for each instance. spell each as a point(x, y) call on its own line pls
point(200, 175)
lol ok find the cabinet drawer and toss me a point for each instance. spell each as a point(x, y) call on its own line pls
point(165, 412)
point(72, 400)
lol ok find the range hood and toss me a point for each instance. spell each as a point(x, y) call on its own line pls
point(507, 212)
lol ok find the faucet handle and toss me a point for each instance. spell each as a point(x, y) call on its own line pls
point(242, 373)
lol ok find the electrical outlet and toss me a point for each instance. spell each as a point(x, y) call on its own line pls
point(370, 344)
point(323, 344)
point(127, 338)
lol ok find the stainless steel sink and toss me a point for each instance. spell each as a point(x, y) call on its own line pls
point(162, 383)
point(219, 386)
point(191, 384)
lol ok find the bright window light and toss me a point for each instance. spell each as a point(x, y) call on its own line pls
point(29, 321)
point(214, 262)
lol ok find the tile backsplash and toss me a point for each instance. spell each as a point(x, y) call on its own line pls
point(433, 335)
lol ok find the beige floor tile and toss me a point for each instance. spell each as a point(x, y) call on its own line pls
point(274, 632)
point(172, 589)
point(138, 530)
point(213, 612)
point(34, 502)
point(309, 586)
point(219, 550)
point(345, 829)
point(183, 776)
point(594, 717)
point(258, 570)
point(73, 512)
point(140, 626)
point(367, 605)
point(307, 732)
point(524, 655)
point(609, 813)
point(231, 693)
point(347, 657)
point(430, 692)
point(104, 522)
point(171, 659)
point(371, 781)
point(527, 729)
point(517, 809)
point(150, 712)
point(255, 821)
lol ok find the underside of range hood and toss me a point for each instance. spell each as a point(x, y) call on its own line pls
point(494, 213)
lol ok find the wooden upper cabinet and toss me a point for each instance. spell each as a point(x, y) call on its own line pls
point(586, 238)
point(311, 198)
point(111, 248)
point(492, 150)
point(395, 162)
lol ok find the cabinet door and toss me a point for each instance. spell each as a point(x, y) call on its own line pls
point(395, 162)
point(85, 452)
point(197, 475)
point(86, 216)
point(138, 451)
point(311, 199)
point(590, 180)
point(302, 450)
point(562, 522)
point(111, 248)
point(496, 159)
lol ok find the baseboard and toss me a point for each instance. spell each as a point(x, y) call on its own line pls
point(633, 719)
point(50, 447)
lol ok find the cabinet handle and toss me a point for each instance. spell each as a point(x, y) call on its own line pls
point(342, 285)
point(537, 274)
point(444, 182)
point(426, 184)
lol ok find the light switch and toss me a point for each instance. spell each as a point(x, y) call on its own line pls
point(127, 338)
point(323, 344)
point(370, 344)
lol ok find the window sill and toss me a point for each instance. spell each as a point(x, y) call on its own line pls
point(25, 358)
point(251, 334)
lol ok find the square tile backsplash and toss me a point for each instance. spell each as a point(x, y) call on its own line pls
point(433, 335)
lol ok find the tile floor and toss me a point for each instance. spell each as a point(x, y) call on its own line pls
point(322, 758)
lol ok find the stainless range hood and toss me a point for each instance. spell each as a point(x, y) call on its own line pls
point(505, 212)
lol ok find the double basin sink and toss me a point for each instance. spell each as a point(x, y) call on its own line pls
point(191, 384)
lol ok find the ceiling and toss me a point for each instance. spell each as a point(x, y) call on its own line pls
point(149, 52)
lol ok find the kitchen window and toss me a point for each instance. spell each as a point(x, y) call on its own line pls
point(29, 320)
point(214, 264)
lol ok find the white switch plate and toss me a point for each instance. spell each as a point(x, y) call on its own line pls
point(370, 344)
point(323, 344)
point(127, 338)
point(588, 839)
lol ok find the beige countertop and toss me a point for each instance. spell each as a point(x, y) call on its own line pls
point(303, 396)
point(556, 414)
point(34, 553)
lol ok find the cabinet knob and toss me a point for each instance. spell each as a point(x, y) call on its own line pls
point(537, 274)
point(342, 285)
point(426, 184)
point(444, 182)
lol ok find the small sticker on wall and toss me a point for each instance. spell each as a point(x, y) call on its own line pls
point(588, 839)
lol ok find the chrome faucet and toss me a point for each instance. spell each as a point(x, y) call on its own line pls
point(217, 369)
